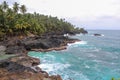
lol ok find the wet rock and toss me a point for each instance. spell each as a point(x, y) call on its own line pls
point(41, 43)
point(14, 67)
point(55, 42)
point(97, 34)
point(45, 43)
point(36, 44)
point(57, 77)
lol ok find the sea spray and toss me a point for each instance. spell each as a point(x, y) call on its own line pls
point(77, 44)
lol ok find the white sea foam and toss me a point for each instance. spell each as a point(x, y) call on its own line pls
point(59, 68)
point(81, 76)
point(97, 61)
point(86, 66)
point(53, 67)
point(96, 50)
point(91, 55)
point(77, 76)
point(77, 43)
point(102, 35)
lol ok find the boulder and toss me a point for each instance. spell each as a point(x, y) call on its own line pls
point(97, 34)
point(14, 67)
point(42, 43)
point(35, 44)
point(25, 61)
point(16, 50)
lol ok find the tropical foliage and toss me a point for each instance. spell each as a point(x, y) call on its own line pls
point(15, 21)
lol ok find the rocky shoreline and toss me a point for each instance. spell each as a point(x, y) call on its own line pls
point(23, 67)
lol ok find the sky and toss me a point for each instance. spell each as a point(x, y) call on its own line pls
point(89, 14)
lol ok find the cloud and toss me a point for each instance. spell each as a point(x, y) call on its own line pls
point(103, 22)
point(83, 9)
point(82, 13)
point(74, 8)
point(10, 2)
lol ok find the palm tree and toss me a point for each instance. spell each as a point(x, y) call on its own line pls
point(1, 17)
point(10, 20)
point(15, 7)
point(23, 9)
point(21, 26)
point(0, 7)
point(4, 6)
point(3, 9)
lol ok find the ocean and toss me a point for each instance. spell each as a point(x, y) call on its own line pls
point(93, 58)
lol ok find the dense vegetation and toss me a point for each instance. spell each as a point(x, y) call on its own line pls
point(15, 22)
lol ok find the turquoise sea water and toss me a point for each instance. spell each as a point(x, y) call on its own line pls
point(94, 58)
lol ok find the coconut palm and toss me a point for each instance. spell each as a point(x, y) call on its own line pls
point(15, 7)
point(5, 6)
point(23, 9)
point(1, 17)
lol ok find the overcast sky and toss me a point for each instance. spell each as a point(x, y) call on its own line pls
point(90, 14)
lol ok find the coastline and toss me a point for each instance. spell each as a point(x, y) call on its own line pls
point(63, 47)
point(23, 68)
point(21, 32)
point(28, 65)
point(50, 49)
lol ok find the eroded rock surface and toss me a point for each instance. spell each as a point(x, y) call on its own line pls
point(23, 68)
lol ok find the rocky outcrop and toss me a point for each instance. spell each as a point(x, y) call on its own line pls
point(14, 46)
point(40, 43)
point(47, 44)
point(23, 68)
point(97, 34)
point(25, 61)
point(16, 50)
